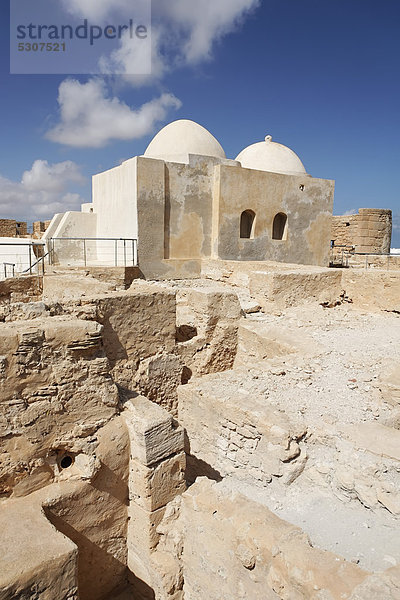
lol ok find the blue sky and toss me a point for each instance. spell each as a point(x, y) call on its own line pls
point(321, 77)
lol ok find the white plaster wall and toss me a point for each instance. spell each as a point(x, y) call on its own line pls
point(115, 204)
point(11, 251)
point(50, 231)
point(114, 201)
point(71, 252)
point(87, 207)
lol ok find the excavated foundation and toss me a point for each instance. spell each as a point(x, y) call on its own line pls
point(230, 437)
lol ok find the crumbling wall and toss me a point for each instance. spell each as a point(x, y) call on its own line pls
point(267, 559)
point(20, 289)
point(231, 431)
point(368, 231)
point(56, 392)
point(91, 510)
point(344, 230)
point(36, 561)
point(12, 228)
point(39, 227)
point(207, 327)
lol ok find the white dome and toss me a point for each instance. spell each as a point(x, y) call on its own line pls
point(179, 139)
point(271, 156)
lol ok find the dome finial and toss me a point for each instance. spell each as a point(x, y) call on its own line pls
point(268, 138)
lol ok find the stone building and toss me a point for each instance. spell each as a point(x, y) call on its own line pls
point(370, 231)
point(13, 228)
point(185, 202)
point(39, 227)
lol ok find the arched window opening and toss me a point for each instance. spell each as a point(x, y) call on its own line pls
point(247, 221)
point(279, 227)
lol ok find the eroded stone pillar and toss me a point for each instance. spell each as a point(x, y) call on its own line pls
point(156, 476)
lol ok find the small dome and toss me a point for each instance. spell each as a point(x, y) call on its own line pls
point(271, 156)
point(179, 139)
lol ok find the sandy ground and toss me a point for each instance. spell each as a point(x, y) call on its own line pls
point(333, 383)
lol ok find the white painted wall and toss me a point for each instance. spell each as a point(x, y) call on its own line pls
point(15, 251)
point(115, 202)
point(75, 224)
point(49, 233)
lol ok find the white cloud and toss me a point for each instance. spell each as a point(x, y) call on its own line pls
point(352, 211)
point(201, 23)
point(183, 33)
point(41, 192)
point(90, 118)
point(96, 9)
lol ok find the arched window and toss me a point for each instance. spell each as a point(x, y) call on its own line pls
point(279, 227)
point(247, 221)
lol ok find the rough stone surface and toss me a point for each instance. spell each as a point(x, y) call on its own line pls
point(293, 411)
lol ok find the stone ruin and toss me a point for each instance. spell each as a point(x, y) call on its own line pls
point(234, 436)
point(217, 421)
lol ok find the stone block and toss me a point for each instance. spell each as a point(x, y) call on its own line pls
point(142, 529)
point(154, 434)
point(153, 487)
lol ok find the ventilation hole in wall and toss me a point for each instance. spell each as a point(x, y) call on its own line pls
point(301, 187)
point(184, 333)
point(347, 224)
point(66, 461)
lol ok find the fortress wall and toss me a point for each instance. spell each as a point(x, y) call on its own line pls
point(370, 231)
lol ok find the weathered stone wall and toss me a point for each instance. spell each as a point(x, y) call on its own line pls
point(369, 231)
point(222, 545)
point(234, 432)
point(92, 511)
point(12, 228)
point(39, 227)
point(188, 201)
point(36, 560)
point(20, 289)
point(344, 230)
point(268, 558)
point(374, 230)
point(59, 376)
point(306, 201)
point(207, 328)
point(373, 290)
point(55, 392)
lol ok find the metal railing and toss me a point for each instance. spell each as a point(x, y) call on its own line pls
point(5, 265)
point(21, 258)
point(343, 258)
point(76, 251)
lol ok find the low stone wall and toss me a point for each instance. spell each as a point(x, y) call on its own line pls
point(37, 561)
point(268, 558)
point(21, 289)
point(233, 432)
